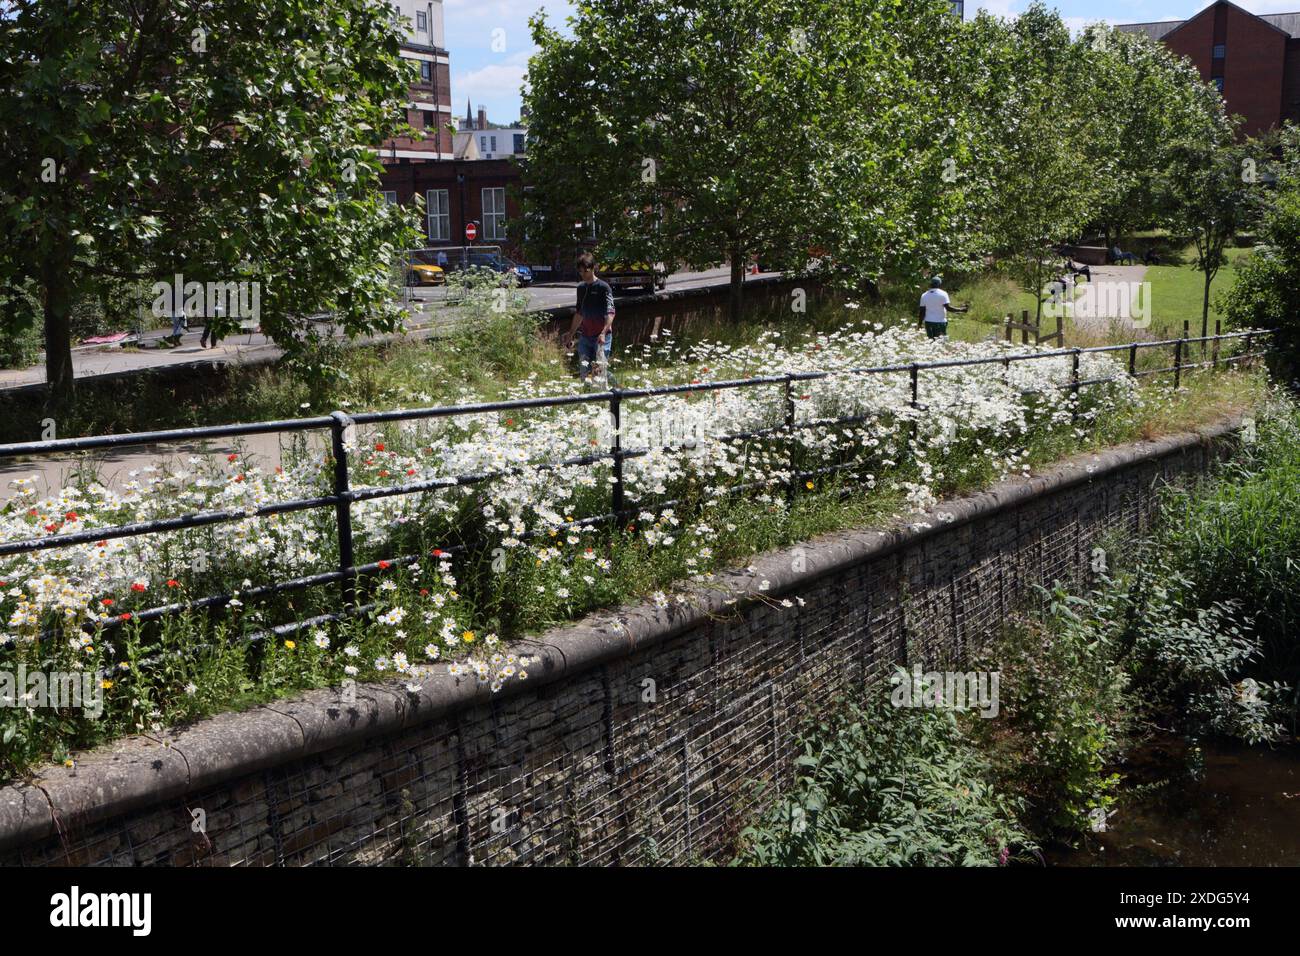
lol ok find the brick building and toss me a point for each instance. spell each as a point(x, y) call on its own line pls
point(1253, 59)
point(459, 182)
point(457, 192)
point(429, 107)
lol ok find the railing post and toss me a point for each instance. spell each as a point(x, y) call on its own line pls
point(616, 449)
point(915, 375)
point(1024, 327)
point(1132, 359)
point(792, 484)
point(1010, 319)
point(1214, 360)
point(1249, 361)
point(343, 507)
point(1074, 385)
point(1178, 361)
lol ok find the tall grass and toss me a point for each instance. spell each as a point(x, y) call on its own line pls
point(1237, 537)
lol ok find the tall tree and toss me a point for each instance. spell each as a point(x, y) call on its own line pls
point(1211, 190)
point(721, 129)
point(1143, 99)
point(1266, 290)
point(224, 140)
point(1016, 82)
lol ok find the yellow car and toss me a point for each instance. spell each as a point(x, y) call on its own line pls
point(420, 274)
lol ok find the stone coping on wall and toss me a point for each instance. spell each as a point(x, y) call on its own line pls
point(146, 769)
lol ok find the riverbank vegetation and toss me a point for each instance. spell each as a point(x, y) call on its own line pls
point(1190, 631)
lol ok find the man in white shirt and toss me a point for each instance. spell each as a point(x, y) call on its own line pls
point(935, 306)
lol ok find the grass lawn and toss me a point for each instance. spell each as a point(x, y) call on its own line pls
point(1177, 292)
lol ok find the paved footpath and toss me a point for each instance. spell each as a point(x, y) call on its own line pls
point(1109, 313)
point(429, 316)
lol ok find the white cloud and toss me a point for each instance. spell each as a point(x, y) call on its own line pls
point(496, 85)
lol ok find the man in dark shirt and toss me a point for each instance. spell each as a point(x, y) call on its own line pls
point(593, 322)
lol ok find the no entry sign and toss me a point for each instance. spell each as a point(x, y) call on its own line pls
point(471, 231)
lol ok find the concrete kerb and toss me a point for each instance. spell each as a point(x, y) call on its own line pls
point(137, 771)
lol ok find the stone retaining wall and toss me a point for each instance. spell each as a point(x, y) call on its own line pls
point(644, 734)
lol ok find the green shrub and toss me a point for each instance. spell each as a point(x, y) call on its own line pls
point(1061, 700)
point(879, 785)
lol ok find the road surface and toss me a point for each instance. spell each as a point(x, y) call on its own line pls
point(429, 311)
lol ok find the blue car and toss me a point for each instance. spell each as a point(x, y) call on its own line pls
point(499, 263)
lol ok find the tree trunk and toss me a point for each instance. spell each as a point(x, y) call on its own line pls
point(57, 302)
point(736, 294)
point(1038, 290)
point(1205, 308)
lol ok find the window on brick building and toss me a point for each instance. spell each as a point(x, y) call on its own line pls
point(1219, 50)
point(1218, 83)
point(494, 213)
point(438, 210)
point(422, 22)
point(426, 71)
point(390, 197)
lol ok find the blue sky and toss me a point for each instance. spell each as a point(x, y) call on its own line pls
point(493, 77)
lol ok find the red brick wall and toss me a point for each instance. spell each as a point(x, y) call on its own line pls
point(1253, 65)
point(1291, 82)
point(411, 179)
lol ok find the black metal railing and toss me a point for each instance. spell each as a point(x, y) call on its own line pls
point(343, 495)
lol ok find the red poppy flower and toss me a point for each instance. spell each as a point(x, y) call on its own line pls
point(424, 592)
point(510, 421)
point(137, 587)
point(231, 457)
point(51, 527)
point(379, 446)
point(383, 473)
point(410, 471)
point(125, 616)
point(32, 513)
point(383, 565)
point(239, 478)
point(71, 516)
point(101, 544)
point(173, 583)
point(107, 602)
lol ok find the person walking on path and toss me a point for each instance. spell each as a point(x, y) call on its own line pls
point(180, 323)
point(209, 328)
point(935, 306)
point(593, 321)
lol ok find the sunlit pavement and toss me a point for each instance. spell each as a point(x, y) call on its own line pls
point(429, 310)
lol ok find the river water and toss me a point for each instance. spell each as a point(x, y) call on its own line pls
point(1226, 806)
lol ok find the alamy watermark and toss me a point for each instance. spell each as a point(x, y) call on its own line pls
point(954, 690)
point(1102, 299)
point(59, 690)
point(235, 300)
